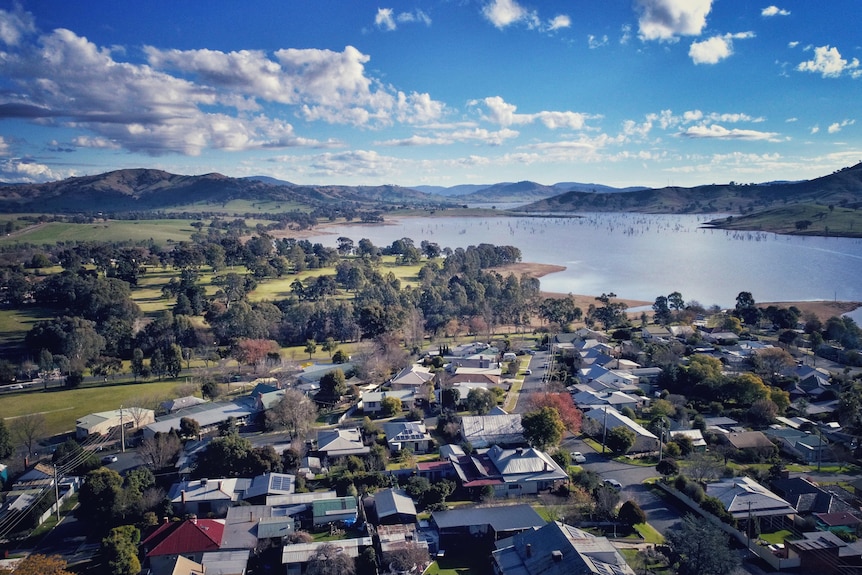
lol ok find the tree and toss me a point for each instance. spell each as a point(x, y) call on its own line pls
point(101, 497)
point(6, 447)
point(390, 406)
point(160, 450)
point(631, 514)
point(310, 347)
point(120, 550)
point(661, 310)
point(189, 427)
point(253, 351)
point(543, 428)
point(293, 412)
point(620, 439)
point(41, 565)
point(746, 309)
point(408, 558)
point(138, 367)
point(562, 402)
point(480, 401)
point(667, 467)
point(332, 386)
point(329, 559)
point(28, 429)
point(702, 547)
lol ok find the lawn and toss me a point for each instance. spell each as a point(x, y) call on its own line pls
point(453, 564)
point(62, 407)
point(649, 533)
point(160, 231)
point(775, 538)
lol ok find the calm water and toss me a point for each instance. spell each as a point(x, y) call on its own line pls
point(642, 256)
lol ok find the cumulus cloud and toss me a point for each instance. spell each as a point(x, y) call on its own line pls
point(503, 13)
point(774, 11)
point(384, 19)
point(185, 101)
point(14, 25)
point(715, 49)
point(505, 114)
point(715, 131)
point(667, 20)
point(828, 63)
point(27, 171)
point(837, 126)
point(558, 22)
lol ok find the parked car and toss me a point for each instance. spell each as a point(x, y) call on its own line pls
point(109, 459)
point(528, 372)
point(613, 483)
point(578, 457)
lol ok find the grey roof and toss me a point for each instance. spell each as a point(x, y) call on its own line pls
point(270, 484)
point(206, 414)
point(302, 552)
point(559, 549)
point(405, 431)
point(335, 442)
point(181, 403)
point(743, 497)
point(240, 526)
point(226, 562)
point(525, 465)
point(299, 498)
point(389, 502)
point(484, 430)
point(500, 518)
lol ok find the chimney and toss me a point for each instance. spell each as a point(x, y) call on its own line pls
point(183, 496)
point(204, 482)
point(194, 519)
point(219, 485)
point(165, 520)
point(529, 550)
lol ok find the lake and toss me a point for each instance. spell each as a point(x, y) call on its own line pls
point(642, 256)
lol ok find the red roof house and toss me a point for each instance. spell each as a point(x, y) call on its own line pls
point(191, 539)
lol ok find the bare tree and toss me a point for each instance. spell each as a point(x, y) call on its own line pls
point(136, 414)
point(294, 412)
point(702, 467)
point(329, 559)
point(28, 429)
point(409, 558)
point(160, 449)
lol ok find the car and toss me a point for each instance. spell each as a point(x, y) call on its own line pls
point(578, 457)
point(528, 372)
point(109, 459)
point(614, 484)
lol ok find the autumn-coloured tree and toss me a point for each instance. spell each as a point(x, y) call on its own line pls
point(562, 402)
point(40, 565)
point(253, 351)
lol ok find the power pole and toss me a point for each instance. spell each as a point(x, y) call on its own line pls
point(122, 432)
point(604, 429)
point(57, 492)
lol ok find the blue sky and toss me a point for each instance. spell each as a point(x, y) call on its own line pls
point(616, 92)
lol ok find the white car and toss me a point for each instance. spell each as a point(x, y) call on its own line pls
point(578, 457)
point(614, 484)
point(109, 459)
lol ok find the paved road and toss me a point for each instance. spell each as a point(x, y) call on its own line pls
point(533, 382)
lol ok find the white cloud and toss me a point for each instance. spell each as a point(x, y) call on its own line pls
point(505, 114)
point(774, 11)
point(15, 25)
point(669, 19)
point(384, 19)
point(829, 63)
point(716, 131)
point(814, 129)
point(715, 49)
point(593, 42)
point(95, 142)
point(4, 147)
point(792, 44)
point(27, 171)
point(791, 120)
point(626, 34)
point(503, 13)
point(558, 22)
point(837, 126)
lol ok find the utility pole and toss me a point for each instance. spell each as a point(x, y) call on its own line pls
point(122, 432)
point(604, 429)
point(57, 492)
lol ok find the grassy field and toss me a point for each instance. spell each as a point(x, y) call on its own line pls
point(802, 219)
point(241, 207)
point(61, 408)
point(160, 231)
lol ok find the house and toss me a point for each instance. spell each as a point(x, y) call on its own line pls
point(590, 399)
point(601, 378)
point(312, 374)
point(745, 499)
point(807, 447)
point(477, 528)
point(208, 415)
point(511, 472)
point(835, 522)
point(326, 511)
point(824, 552)
point(298, 500)
point(372, 402)
point(263, 486)
point(753, 441)
point(486, 430)
point(295, 557)
point(408, 435)
point(412, 377)
point(720, 424)
point(40, 476)
point(203, 497)
point(104, 422)
point(226, 562)
point(696, 437)
point(247, 525)
point(393, 506)
point(655, 333)
point(341, 442)
point(179, 566)
point(806, 497)
point(609, 418)
point(190, 539)
point(557, 549)
point(393, 538)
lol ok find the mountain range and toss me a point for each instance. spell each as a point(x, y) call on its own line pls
point(148, 189)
